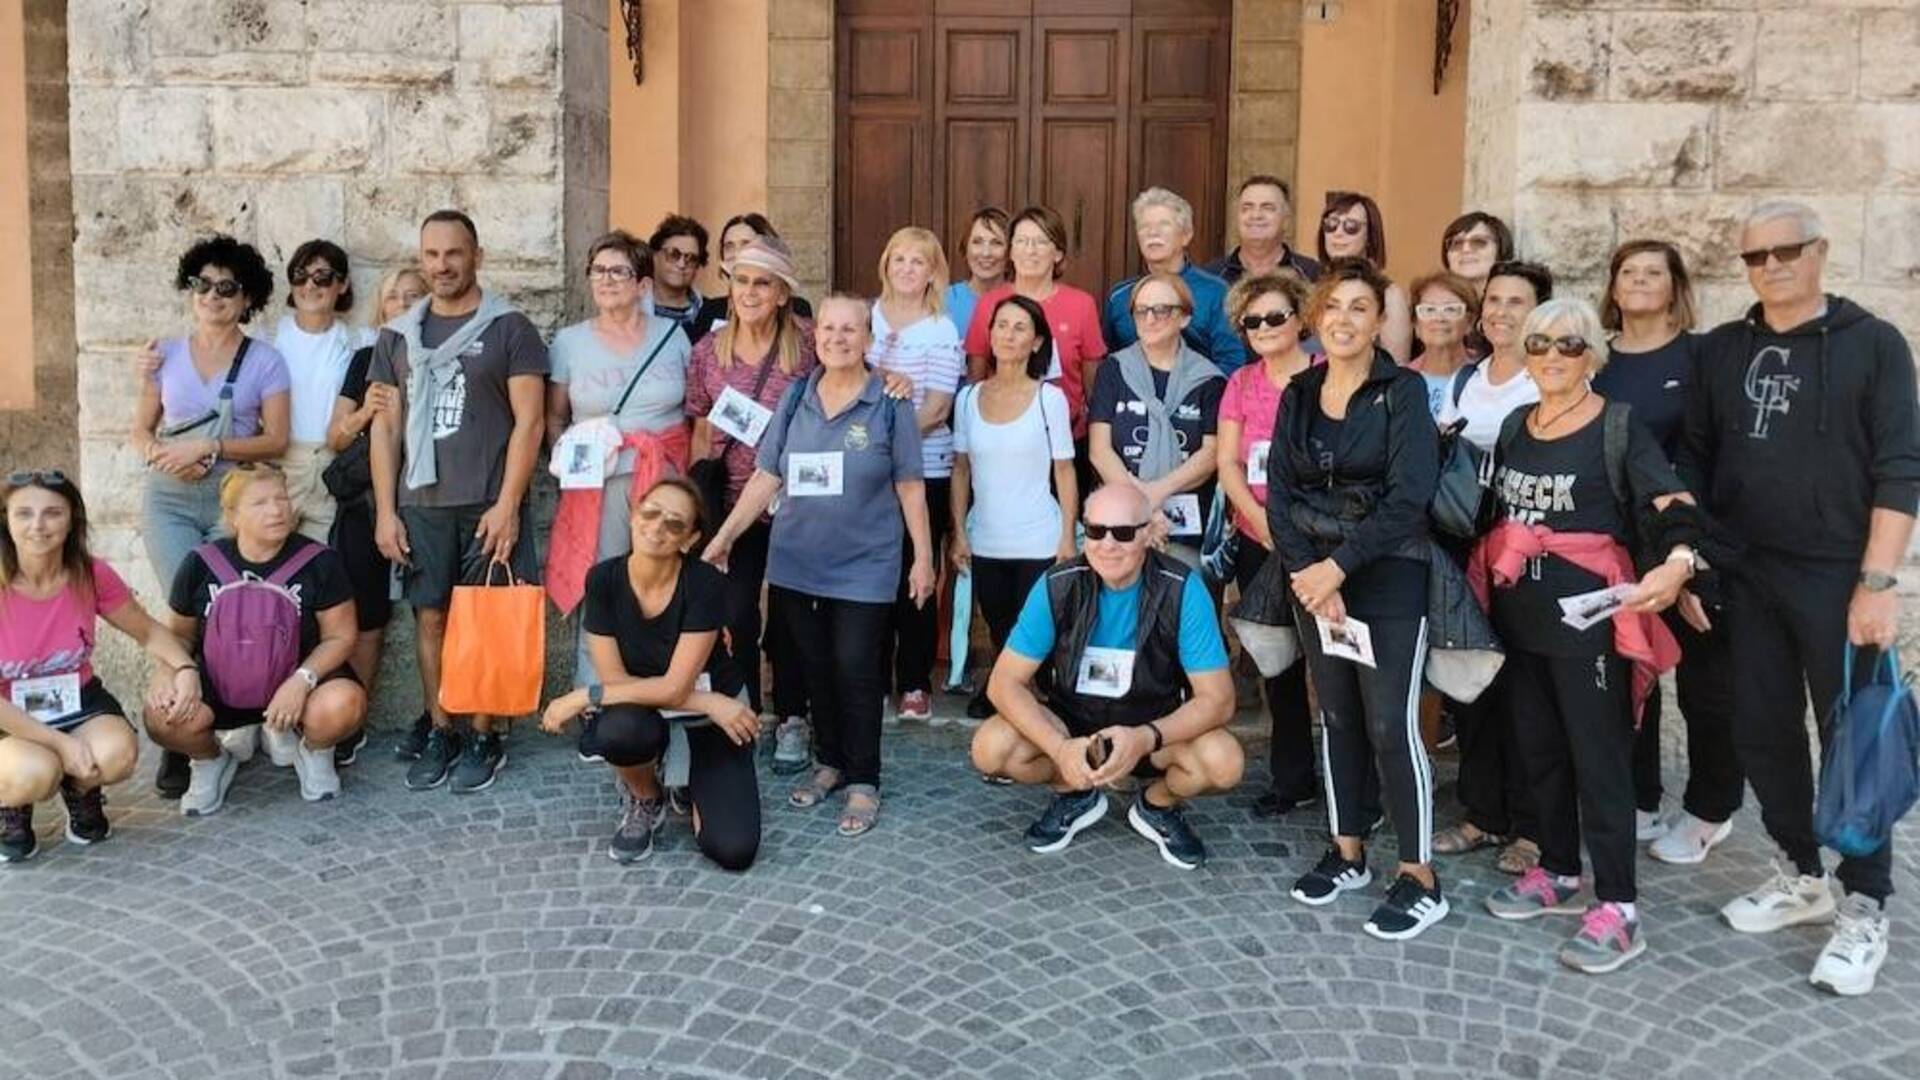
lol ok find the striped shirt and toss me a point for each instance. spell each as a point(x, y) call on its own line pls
point(927, 352)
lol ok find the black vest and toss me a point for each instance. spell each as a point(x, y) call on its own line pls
point(1159, 682)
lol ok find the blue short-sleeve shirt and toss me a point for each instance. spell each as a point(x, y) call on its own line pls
point(838, 532)
point(1116, 625)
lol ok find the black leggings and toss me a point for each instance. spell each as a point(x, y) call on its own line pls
point(1290, 753)
point(1000, 587)
point(1574, 736)
point(1371, 718)
point(841, 642)
point(913, 639)
point(1705, 680)
point(746, 572)
point(721, 777)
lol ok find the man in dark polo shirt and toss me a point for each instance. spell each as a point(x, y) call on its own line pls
point(1264, 212)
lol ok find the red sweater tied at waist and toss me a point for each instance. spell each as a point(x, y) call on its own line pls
point(576, 523)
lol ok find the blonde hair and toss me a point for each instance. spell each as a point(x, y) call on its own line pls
point(388, 281)
point(935, 294)
point(240, 477)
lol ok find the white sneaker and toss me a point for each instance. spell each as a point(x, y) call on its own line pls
point(1856, 950)
point(1648, 825)
point(1689, 839)
point(1787, 899)
point(207, 788)
point(283, 746)
point(319, 780)
point(239, 742)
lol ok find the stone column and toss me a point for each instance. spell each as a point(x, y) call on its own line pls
point(282, 120)
point(800, 66)
point(1264, 116)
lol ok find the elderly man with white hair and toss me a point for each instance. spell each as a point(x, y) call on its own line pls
point(1163, 225)
point(1126, 645)
point(1801, 436)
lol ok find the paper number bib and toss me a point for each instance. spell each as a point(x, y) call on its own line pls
point(816, 474)
point(49, 697)
point(740, 417)
point(1183, 514)
point(1105, 673)
point(1257, 462)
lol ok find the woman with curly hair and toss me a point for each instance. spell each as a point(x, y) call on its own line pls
point(218, 397)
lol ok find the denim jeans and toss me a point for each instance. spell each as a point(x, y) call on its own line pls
point(177, 516)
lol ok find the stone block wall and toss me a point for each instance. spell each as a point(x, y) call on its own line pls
point(283, 120)
point(1602, 121)
point(800, 72)
point(1263, 119)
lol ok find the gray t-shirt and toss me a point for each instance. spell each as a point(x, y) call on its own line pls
point(474, 417)
point(595, 377)
point(838, 533)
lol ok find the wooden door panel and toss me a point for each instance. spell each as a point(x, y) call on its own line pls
point(981, 118)
point(1081, 63)
point(1179, 135)
point(1081, 163)
point(883, 160)
point(985, 160)
point(884, 179)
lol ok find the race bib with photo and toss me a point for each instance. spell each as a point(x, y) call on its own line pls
point(1183, 514)
point(815, 474)
point(1257, 462)
point(582, 453)
point(1105, 673)
point(49, 697)
point(742, 418)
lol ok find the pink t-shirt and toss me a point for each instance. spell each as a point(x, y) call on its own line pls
point(55, 636)
point(707, 380)
point(1252, 401)
point(1075, 321)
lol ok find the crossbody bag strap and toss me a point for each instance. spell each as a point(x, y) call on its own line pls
point(759, 384)
point(644, 365)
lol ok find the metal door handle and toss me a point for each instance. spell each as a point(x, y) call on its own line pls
point(1079, 219)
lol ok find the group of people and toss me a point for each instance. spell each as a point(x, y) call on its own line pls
point(1469, 510)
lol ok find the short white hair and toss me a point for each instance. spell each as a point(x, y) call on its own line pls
point(1159, 196)
point(1775, 209)
point(1577, 316)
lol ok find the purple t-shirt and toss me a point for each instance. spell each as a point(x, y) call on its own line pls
point(185, 396)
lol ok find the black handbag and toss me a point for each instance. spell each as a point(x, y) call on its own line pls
point(1460, 497)
point(349, 476)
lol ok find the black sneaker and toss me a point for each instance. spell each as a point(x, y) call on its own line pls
point(86, 814)
point(479, 764)
point(414, 742)
point(1065, 816)
point(1409, 908)
point(1330, 877)
point(347, 751)
point(1274, 804)
point(17, 842)
point(439, 747)
point(588, 748)
point(639, 820)
point(1168, 829)
point(171, 779)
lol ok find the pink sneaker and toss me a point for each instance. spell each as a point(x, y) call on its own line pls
point(915, 705)
point(1533, 894)
point(1607, 939)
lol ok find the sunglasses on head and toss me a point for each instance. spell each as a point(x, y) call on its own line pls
point(225, 288)
point(672, 523)
point(23, 477)
point(1786, 253)
point(1334, 223)
point(1275, 319)
point(1121, 533)
point(319, 279)
point(1569, 345)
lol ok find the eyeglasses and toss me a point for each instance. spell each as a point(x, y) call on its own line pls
point(225, 288)
point(1159, 311)
point(610, 273)
point(1786, 253)
point(1121, 533)
point(1334, 223)
point(1031, 241)
point(680, 258)
point(1440, 311)
point(673, 524)
point(319, 279)
point(1569, 345)
point(48, 477)
point(1466, 241)
point(1274, 319)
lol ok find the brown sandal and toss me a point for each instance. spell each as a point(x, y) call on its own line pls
point(1518, 857)
point(1464, 837)
point(814, 790)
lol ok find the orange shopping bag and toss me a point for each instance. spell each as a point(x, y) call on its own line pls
point(495, 656)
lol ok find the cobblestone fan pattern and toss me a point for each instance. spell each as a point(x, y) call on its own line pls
point(433, 935)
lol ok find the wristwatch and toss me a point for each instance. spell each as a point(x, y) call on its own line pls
point(1684, 554)
point(307, 676)
point(1877, 580)
point(596, 694)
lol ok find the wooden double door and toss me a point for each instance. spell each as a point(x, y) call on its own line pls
point(946, 106)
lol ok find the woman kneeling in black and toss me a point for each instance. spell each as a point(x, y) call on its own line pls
point(653, 621)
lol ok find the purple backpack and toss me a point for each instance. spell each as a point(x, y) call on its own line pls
point(250, 640)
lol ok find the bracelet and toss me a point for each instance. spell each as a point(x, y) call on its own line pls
point(1159, 739)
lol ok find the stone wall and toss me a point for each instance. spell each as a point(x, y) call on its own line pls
point(282, 120)
point(800, 72)
point(1602, 121)
point(1264, 112)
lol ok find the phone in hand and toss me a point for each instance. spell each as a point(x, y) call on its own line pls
point(1099, 749)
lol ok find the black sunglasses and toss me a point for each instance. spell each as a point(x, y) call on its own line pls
point(1786, 253)
point(225, 289)
point(1569, 345)
point(1123, 533)
point(45, 477)
point(1275, 319)
point(1334, 223)
point(322, 279)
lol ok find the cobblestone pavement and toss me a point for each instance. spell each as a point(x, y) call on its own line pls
point(433, 935)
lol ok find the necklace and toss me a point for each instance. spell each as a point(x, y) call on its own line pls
point(1543, 425)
